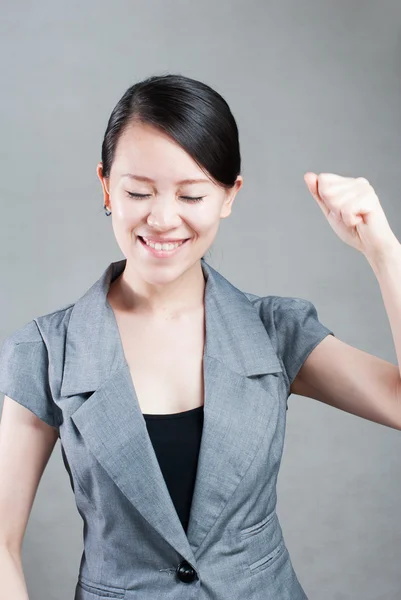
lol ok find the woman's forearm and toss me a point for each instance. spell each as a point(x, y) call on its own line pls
point(12, 580)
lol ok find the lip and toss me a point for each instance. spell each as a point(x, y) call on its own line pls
point(161, 253)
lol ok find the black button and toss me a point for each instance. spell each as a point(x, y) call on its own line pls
point(185, 572)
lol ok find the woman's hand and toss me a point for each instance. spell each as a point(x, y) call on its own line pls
point(353, 211)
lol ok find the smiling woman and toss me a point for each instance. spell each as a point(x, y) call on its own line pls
point(170, 170)
point(165, 383)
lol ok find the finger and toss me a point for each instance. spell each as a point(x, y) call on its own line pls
point(339, 190)
point(344, 200)
point(354, 213)
point(333, 178)
point(311, 181)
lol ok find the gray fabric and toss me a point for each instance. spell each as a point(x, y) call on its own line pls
point(69, 368)
point(294, 328)
point(24, 372)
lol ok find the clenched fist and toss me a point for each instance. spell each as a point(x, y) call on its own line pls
point(353, 211)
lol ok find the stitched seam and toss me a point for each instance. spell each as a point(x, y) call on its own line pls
point(55, 415)
point(287, 381)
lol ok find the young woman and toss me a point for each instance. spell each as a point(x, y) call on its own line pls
point(167, 385)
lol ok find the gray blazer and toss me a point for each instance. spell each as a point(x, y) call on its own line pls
point(68, 367)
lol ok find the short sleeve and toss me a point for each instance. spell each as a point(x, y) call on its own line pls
point(24, 372)
point(298, 331)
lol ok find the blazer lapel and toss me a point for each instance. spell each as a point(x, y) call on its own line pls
point(239, 409)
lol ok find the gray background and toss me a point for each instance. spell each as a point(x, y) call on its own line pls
point(314, 85)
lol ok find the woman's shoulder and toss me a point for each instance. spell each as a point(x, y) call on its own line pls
point(286, 317)
point(42, 328)
point(281, 308)
point(55, 319)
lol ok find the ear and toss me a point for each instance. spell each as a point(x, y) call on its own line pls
point(230, 195)
point(105, 182)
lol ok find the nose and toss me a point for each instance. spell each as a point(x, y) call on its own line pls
point(163, 213)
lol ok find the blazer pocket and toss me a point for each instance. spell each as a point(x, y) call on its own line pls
point(98, 590)
point(245, 532)
point(263, 543)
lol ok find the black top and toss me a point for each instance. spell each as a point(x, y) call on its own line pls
point(176, 441)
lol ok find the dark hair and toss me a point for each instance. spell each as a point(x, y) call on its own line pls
point(189, 111)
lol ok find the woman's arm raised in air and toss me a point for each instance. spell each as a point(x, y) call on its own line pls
point(26, 444)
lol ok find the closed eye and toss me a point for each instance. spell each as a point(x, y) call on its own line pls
point(189, 198)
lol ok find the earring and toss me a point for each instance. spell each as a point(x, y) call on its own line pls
point(106, 210)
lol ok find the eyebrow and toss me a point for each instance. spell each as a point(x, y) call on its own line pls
point(149, 180)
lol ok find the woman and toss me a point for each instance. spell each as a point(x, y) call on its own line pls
point(167, 385)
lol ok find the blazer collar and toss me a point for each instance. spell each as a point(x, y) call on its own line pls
point(235, 333)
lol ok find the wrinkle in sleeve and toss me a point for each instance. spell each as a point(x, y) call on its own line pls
point(24, 372)
point(298, 332)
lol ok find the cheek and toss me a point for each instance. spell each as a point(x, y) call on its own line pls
point(126, 215)
point(204, 219)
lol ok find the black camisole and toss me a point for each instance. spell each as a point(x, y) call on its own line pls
point(176, 441)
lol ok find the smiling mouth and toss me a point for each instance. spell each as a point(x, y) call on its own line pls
point(160, 249)
point(163, 242)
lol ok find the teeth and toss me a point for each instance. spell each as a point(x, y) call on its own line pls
point(158, 246)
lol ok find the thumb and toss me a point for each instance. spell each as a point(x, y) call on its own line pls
point(310, 179)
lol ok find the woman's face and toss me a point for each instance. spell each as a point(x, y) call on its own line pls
point(160, 207)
